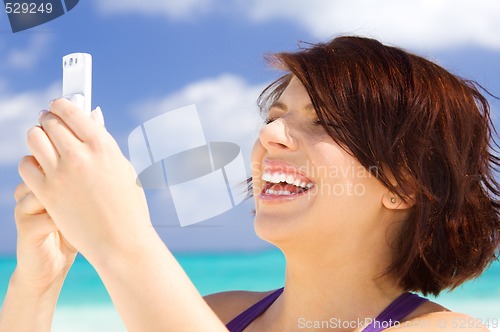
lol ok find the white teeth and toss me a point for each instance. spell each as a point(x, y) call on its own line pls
point(266, 177)
point(275, 178)
point(278, 192)
point(287, 178)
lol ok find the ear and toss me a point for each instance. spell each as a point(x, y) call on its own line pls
point(393, 202)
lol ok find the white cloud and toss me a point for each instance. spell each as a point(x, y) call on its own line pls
point(185, 9)
point(226, 105)
point(416, 24)
point(18, 113)
point(30, 55)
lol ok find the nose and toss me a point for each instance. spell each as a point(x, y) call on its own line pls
point(277, 137)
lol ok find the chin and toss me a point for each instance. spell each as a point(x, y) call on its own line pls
point(278, 229)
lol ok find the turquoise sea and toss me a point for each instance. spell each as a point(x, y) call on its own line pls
point(85, 306)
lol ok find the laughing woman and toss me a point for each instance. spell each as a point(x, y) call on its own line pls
point(373, 175)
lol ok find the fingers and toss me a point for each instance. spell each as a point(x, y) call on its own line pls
point(81, 125)
point(21, 191)
point(31, 217)
point(32, 220)
point(31, 173)
point(30, 205)
point(54, 137)
point(34, 226)
point(41, 146)
point(54, 131)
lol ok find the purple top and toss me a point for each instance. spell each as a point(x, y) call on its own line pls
point(397, 310)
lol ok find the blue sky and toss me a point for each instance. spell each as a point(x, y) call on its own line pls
point(154, 56)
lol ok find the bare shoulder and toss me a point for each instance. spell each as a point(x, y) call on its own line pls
point(434, 317)
point(228, 305)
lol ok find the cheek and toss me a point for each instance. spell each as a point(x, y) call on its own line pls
point(348, 192)
point(341, 177)
point(256, 156)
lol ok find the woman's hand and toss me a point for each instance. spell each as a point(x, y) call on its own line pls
point(43, 260)
point(43, 254)
point(84, 182)
point(90, 190)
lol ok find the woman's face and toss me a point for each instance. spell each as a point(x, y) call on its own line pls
point(305, 185)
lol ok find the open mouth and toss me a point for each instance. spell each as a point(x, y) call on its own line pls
point(285, 184)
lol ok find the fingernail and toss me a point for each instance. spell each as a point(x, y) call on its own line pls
point(100, 116)
point(42, 112)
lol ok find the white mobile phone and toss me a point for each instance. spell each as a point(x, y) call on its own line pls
point(77, 80)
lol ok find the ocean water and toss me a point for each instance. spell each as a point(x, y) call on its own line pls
point(84, 304)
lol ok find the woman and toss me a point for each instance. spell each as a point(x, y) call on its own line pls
point(373, 175)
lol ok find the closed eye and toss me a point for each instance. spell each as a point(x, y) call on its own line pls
point(329, 124)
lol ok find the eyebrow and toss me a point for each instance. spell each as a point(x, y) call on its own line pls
point(283, 107)
point(280, 105)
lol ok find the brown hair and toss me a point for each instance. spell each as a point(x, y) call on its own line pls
point(430, 130)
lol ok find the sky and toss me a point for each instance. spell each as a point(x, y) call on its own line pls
point(150, 57)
